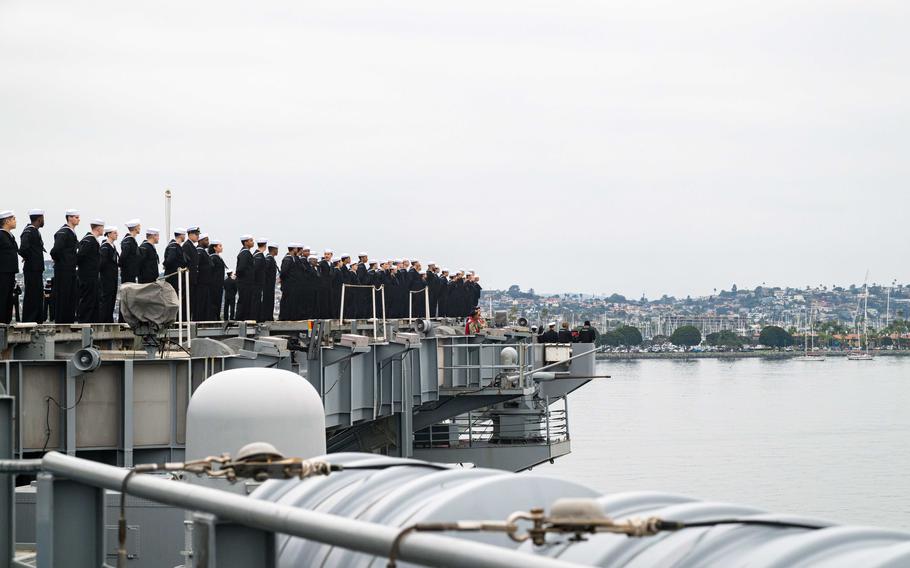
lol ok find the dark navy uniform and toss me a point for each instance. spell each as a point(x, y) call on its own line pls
point(65, 293)
point(192, 267)
point(109, 276)
point(246, 284)
point(129, 259)
point(290, 286)
point(201, 303)
point(31, 249)
point(230, 298)
point(148, 263)
point(9, 267)
point(173, 261)
point(258, 285)
point(88, 262)
point(216, 289)
point(270, 269)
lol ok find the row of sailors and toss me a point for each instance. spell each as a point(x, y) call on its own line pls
point(87, 274)
point(314, 288)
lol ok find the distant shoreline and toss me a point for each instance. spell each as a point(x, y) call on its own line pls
point(737, 355)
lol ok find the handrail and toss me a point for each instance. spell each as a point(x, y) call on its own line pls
point(375, 320)
point(351, 534)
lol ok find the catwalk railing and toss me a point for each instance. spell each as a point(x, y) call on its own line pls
point(71, 522)
point(545, 426)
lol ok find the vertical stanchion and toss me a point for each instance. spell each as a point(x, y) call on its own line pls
point(189, 311)
point(426, 300)
point(410, 307)
point(180, 308)
point(384, 336)
point(341, 315)
point(547, 411)
point(375, 322)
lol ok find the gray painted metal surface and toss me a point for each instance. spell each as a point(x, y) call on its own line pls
point(241, 406)
point(361, 536)
point(727, 546)
point(401, 496)
point(376, 395)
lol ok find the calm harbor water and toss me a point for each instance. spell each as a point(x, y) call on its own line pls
point(830, 439)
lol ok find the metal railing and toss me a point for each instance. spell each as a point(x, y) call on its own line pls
point(75, 535)
point(375, 320)
point(547, 426)
point(492, 372)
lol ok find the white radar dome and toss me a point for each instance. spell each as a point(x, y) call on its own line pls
point(234, 408)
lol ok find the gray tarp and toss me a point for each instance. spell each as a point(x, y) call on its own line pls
point(154, 303)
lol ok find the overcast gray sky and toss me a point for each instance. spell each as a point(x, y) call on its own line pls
point(665, 147)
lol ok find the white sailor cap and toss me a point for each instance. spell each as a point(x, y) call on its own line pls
point(261, 240)
point(431, 263)
point(35, 212)
point(311, 257)
point(179, 231)
point(216, 242)
point(6, 214)
point(551, 324)
point(363, 254)
point(345, 255)
point(109, 229)
point(293, 245)
point(305, 247)
point(192, 229)
point(246, 238)
point(152, 231)
point(129, 224)
point(272, 245)
point(329, 251)
point(203, 236)
point(70, 212)
point(96, 222)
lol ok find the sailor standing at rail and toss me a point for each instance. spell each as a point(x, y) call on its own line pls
point(88, 264)
point(442, 302)
point(432, 288)
point(289, 273)
point(307, 277)
point(337, 282)
point(246, 281)
point(110, 275)
point(309, 281)
point(9, 265)
point(129, 252)
point(202, 308)
point(216, 290)
point(174, 259)
point(311, 289)
point(148, 257)
point(230, 296)
point(191, 255)
point(31, 249)
point(258, 278)
point(324, 291)
point(364, 306)
point(64, 255)
point(267, 313)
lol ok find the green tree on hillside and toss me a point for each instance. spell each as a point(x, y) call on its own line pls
point(724, 338)
point(775, 336)
point(686, 336)
point(629, 335)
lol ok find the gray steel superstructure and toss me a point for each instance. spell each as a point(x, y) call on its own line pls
point(415, 388)
point(82, 405)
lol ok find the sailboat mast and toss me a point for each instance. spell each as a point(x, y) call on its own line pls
point(865, 311)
